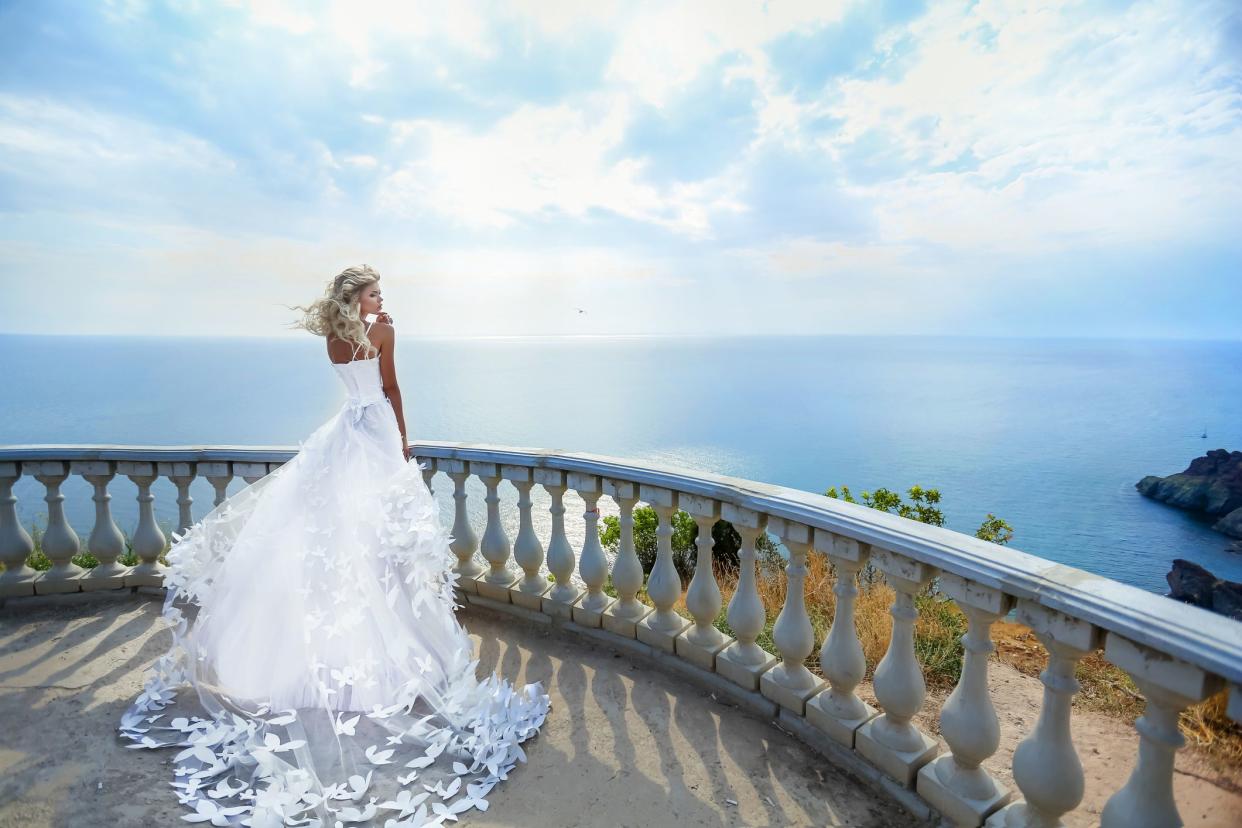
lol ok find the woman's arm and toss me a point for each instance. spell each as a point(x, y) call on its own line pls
point(388, 377)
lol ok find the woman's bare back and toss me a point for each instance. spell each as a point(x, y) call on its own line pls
point(341, 351)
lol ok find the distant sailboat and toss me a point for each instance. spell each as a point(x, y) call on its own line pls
point(1203, 436)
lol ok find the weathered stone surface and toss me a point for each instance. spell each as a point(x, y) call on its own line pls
point(1211, 485)
point(1195, 585)
point(1231, 524)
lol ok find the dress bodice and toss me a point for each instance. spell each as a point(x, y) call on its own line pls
point(362, 380)
point(363, 385)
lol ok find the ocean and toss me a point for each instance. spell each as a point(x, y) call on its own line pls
point(1049, 434)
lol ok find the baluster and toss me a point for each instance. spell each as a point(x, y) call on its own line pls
point(627, 572)
point(218, 475)
point(790, 683)
point(1045, 766)
point(1170, 686)
point(701, 641)
point(148, 540)
point(250, 472)
point(592, 565)
point(527, 550)
point(60, 542)
point(956, 783)
point(106, 542)
point(464, 543)
point(182, 474)
point(743, 661)
point(499, 578)
point(428, 473)
point(661, 627)
point(15, 542)
point(890, 740)
point(560, 597)
point(838, 711)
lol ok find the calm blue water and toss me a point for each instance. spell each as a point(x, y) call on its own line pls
point(1049, 434)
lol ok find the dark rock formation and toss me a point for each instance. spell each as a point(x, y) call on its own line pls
point(1193, 584)
point(1212, 485)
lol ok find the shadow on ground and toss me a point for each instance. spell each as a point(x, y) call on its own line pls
point(623, 745)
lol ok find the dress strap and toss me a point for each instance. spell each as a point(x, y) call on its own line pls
point(366, 331)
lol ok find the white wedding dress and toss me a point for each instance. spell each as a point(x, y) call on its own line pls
point(318, 675)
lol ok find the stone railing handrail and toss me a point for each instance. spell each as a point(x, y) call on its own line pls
point(1176, 654)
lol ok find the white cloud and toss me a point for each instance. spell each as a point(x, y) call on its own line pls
point(540, 161)
point(663, 47)
point(1088, 130)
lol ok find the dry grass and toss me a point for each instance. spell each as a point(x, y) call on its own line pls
point(1105, 688)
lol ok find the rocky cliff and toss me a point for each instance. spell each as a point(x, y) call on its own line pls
point(1193, 584)
point(1212, 485)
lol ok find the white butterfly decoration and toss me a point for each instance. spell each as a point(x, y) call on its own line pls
point(358, 785)
point(272, 743)
point(356, 814)
point(224, 790)
point(345, 727)
point(379, 711)
point(379, 757)
point(345, 677)
point(207, 811)
point(288, 717)
point(405, 802)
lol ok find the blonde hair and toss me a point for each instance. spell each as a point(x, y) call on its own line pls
point(337, 313)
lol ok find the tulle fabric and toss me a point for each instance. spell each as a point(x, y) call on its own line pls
point(318, 674)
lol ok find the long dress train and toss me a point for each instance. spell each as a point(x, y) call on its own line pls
point(313, 620)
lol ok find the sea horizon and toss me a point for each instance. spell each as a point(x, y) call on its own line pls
point(1050, 433)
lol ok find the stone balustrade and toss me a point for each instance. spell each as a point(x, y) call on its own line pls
point(1177, 655)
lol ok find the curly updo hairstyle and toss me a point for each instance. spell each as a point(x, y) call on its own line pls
point(337, 313)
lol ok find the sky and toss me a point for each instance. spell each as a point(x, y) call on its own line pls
point(569, 168)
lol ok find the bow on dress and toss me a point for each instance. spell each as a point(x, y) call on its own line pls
point(355, 407)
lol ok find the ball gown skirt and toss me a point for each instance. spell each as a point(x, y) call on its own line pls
point(318, 674)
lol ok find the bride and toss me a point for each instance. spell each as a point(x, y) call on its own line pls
point(313, 625)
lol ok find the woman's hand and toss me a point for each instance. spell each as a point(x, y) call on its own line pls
point(407, 451)
point(383, 316)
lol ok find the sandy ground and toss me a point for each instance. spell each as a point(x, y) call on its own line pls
point(1106, 747)
point(624, 745)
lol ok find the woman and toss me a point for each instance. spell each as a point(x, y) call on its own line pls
point(313, 617)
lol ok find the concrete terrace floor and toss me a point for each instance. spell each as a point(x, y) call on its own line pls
point(625, 743)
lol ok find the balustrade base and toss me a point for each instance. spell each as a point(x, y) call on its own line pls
point(661, 639)
point(1016, 815)
point(842, 731)
point(700, 655)
point(533, 616)
point(900, 765)
point(144, 579)
point(791, 698)
point(17, 589)
point(466, 583)
point(57, 586)
point(588, 617)
point(965, 812)
point(496, 590)
point(623, 625)
point(97, 581)
point(741, 673)
point(560, 608)
point(529, 599)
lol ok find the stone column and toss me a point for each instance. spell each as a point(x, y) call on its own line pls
point(790, 683)
point(838, 711)
point(743, 661)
